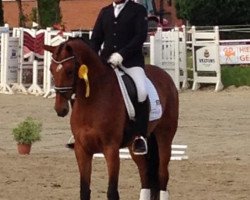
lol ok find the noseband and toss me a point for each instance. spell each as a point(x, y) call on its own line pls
point(65, 89)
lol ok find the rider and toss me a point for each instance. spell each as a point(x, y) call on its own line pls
point(121, 28)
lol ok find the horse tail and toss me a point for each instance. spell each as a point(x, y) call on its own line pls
point(153, 166)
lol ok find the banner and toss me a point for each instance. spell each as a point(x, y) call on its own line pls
point(33, 44)
point(235, 54)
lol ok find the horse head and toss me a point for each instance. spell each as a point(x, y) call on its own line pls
point(72, 62)
point(64, 68)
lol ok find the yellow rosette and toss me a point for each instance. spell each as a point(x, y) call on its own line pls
point(83, 74)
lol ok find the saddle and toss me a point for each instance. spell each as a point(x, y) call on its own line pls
point(138, 112)
point(129, 93)
point(131, 89)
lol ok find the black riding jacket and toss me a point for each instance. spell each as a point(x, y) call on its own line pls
point(124, 34)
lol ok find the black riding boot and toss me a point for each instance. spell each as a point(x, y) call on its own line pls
point(139, 146)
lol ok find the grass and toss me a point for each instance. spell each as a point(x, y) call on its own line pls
point(235, 75)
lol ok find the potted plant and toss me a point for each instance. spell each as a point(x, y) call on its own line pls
point(26, 133)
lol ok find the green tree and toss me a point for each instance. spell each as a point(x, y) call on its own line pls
point(1, 14)
point(214, 12)
point(49, 12)
point(21, 15)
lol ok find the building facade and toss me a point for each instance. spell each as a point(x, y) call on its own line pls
point(77, 14)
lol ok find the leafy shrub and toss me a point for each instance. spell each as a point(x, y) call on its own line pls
point(27, 131)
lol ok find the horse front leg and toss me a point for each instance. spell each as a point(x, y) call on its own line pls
point(113, 165)
point(84, 161)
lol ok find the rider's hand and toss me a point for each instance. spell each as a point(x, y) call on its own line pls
point(115, 60)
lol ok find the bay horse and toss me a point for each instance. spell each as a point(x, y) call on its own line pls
point(99, 118)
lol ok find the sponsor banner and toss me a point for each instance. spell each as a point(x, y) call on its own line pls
point(235, 54)
point(12, 60)
point(206, 58)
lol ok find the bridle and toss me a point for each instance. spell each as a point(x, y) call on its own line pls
point(65, 89)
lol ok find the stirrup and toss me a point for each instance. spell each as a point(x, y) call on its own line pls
point(140, 150)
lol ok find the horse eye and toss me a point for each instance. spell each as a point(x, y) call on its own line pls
point(69, 73)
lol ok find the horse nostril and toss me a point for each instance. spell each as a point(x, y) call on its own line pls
point(65, 111)
point(62, 113)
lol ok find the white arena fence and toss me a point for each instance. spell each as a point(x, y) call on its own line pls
point(206, 63)
point(9, 60)
point(24, 63)
point(168, 51)
point(31, 60)
point(30, 72)
point(179, 152)
point(25, 66)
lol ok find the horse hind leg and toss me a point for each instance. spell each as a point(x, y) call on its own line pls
point(164, 141)
point(153, 167)
point(141, 162)
point(158, 160)
point(148, 170)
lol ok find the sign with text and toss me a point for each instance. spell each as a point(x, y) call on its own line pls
point(12, 60)
point(235, 54)
point(206, 58)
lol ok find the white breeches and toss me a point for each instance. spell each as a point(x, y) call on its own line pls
point(139, 77)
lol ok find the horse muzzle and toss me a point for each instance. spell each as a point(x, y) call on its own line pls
point(62, 108)
point(62, 113)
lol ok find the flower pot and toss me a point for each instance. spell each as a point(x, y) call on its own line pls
point(24, 149)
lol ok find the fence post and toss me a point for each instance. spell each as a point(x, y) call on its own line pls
point(4, 84)
point(19, 85)
point(206, 64)
point(183, 57)
point(46, 72)
point(156, 46)
point(35, 88)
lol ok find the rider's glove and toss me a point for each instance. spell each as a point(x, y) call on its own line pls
point(115, 60)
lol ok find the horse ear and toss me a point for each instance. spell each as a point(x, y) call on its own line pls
point(49, 48)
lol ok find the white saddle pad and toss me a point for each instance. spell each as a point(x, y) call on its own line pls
point(155, 105)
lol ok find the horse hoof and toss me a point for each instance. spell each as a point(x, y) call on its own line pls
point(70, 145)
